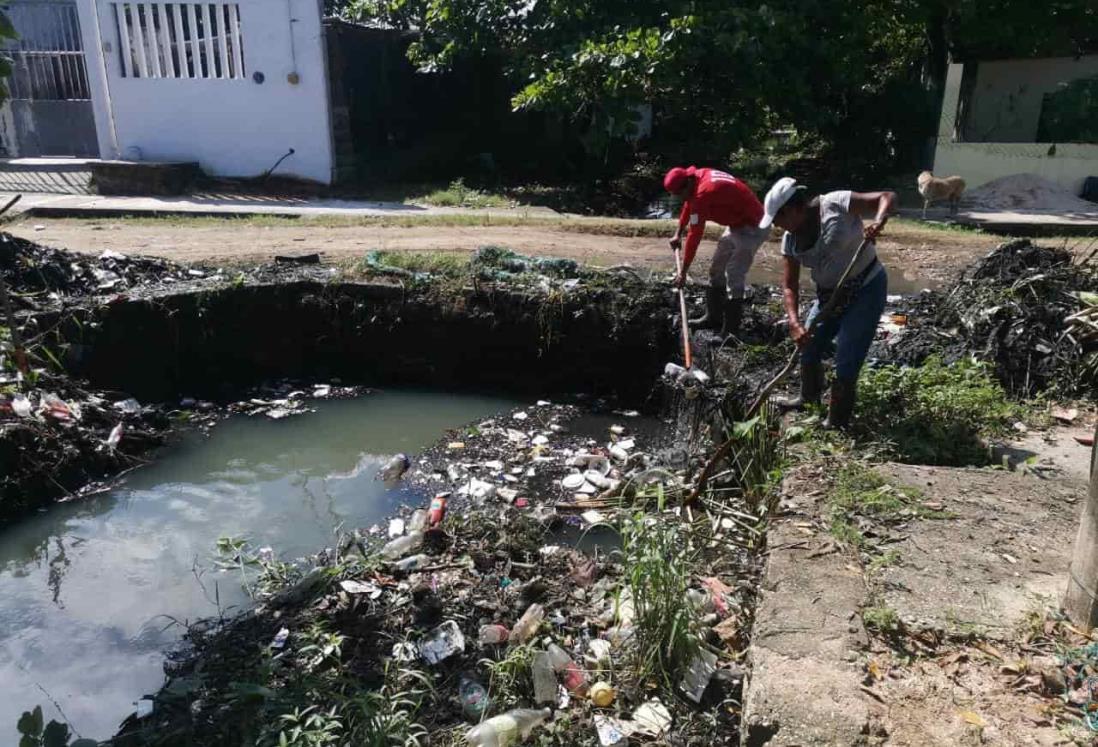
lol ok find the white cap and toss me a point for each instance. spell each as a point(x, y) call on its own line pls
point(776, 198)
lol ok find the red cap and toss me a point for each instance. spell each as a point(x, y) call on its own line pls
point(676, 178)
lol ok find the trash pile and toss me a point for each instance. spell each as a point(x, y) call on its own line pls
point(497, 262)
point(1018, 309)
point(30, 268)
point(485, 593)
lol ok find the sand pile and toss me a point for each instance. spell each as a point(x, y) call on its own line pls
point(1026, 192)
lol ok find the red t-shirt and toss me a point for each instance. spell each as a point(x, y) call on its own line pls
point(721, 198)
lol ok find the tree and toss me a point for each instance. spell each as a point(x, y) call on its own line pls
point(865, 77)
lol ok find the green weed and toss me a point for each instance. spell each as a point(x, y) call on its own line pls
point(457, 194)
point(881, 619)
point(934, 413)
point(658, 559)
point(859, 491)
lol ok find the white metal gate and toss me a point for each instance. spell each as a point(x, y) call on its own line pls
point(50, 101)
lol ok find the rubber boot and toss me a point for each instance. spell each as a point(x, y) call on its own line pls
point(843, 395)
point(812, 386)
point(733, 317)
point(714, 309)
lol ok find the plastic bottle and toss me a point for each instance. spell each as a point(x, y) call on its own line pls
point(474, 698)
point(395, 468)
point(573, 677)
point(507, 728)
point(528, 624)
point(438, 509)
point(545, 682)
point(401, 546)
point(491, 634)
point(418, 522)
point(412, 563)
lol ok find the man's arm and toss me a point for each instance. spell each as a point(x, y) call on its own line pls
point(675, 242)
point(877, 204)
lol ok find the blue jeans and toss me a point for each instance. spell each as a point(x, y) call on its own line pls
point(854, 329)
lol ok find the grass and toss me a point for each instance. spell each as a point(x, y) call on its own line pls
point(881, 619)
point(935, 413)
point(658, 560)
point(861, 492)
point(457, 194)
point(444, 263)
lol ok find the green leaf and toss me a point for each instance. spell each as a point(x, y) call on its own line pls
point(30, 722)
point(744, 429)
point(29, 741)
point(55, 735)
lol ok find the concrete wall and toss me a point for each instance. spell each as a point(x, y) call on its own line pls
point(979, 163)
point(1008, 95)
point(232, 127)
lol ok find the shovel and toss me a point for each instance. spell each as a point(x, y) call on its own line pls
point(690, 374)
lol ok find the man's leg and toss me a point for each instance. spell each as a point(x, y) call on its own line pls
point(716, 293)
point(856, 334)
point(744, 245)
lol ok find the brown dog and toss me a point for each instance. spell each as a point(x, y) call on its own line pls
point(933, 189)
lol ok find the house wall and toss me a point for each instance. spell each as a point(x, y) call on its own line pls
point(1007, 97)
point(232, 126)
point(1067, 164)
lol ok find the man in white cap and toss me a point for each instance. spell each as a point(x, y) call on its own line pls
point(824, 233)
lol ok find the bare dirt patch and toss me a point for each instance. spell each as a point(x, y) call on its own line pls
point(916, 256)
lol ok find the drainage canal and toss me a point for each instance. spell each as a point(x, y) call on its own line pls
point(93, 588)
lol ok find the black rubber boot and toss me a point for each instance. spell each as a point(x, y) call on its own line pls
point(714, 309)
point(843, 395)
point(812, 386)
point(733, 317)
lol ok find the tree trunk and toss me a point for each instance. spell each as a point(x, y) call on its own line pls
point(1081, 600)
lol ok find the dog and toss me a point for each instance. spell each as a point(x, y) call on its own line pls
point(933, 189)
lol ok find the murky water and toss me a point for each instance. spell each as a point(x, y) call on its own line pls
point(90, 589)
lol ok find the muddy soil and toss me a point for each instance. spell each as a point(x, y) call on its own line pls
point(916, 256)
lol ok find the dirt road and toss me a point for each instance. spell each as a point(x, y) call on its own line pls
point(916, 256)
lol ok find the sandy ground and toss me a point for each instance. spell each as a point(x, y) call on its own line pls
point(916, 257)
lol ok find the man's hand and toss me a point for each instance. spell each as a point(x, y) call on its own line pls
point(799, 335)
point(874, 229)
point(675, 243)
point(679, 280)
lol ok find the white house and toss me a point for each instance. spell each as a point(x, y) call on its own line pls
point(999, 118)
point(237, 86)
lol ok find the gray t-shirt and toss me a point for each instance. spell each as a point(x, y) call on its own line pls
point(841, 233)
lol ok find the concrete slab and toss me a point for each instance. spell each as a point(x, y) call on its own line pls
point(1005, 553)
point(1014, 223)
point(67, 206)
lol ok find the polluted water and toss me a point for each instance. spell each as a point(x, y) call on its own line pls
point(93, 588)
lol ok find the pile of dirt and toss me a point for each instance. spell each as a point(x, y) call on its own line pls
point(1021, 192)
point(1012, 311)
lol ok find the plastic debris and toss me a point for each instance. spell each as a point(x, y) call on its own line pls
point(473, 697)
point(611, 731)
point(698, 674)
point(493, 634)
point(528, 624)
point(507, 728)
point(144, 708)
point(572, 676)
point(401, 546)
point(545, 681)
point(115, 437)
point(395, 468)
point(599, 652)
point(478, 490)
point(602, 695)
point(419, 520)
point(442, 643)
point(438, 509)
point(21, 406)
point(128, 406)
point(360, 587)
point(652, 718)
point(280, 639)
point(396, 527)
point(520, 416)
point(412, 563)
point(404, 652)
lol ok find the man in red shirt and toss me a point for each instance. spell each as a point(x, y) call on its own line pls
point(711, 195)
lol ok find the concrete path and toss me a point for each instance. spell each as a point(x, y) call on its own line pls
point(61, 206)
point(1013, 222)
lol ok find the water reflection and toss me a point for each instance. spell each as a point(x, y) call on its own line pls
point(90, 588)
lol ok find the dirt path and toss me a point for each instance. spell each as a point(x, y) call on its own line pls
point(917, 257)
